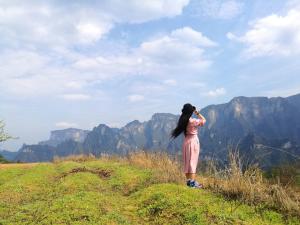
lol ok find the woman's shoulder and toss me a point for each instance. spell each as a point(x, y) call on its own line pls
point(193, 120)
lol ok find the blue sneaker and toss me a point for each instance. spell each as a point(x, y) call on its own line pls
point(195, 184)
point(188, 182)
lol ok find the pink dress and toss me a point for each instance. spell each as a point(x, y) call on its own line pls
point(191, 146)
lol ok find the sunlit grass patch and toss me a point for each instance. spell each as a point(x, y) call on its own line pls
point(122, 190)
point(176, 204)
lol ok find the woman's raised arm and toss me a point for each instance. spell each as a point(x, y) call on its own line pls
point(200, 116)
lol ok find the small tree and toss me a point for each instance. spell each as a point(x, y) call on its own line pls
point(3, 135)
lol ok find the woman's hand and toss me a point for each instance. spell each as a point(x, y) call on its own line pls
point(200, 115)
point(196, 112)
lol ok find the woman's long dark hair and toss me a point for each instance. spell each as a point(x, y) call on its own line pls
point(187, 112)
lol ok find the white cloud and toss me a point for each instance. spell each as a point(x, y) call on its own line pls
point(76, 97)
point(21, 63)
point(91, 32)
point(28, 23)
point(135, 11)
point(217, 9)
point(46, 48)
point(28, 73)
point(217, 92)
point(188, 35)
point(64, 125)
point(135, 98)
point(60, 71)
point(272, 35)
point(176, 53)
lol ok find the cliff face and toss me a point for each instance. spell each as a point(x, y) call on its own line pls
point(250, 122)
point(59, 136)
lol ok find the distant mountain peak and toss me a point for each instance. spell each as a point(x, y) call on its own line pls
point(59, 136)
point(133, 123)
point(66, 129)
point(244, 99)
point(159, 116)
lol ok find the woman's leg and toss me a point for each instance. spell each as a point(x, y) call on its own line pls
point(190, 176)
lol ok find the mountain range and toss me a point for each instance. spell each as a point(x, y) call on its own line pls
point(266, 130)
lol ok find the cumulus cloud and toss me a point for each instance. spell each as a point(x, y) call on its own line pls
point(91, 32)
point(29, 73)
point(180, 52)
point(176, 53)
point(134, 11)
point(45, 56)
point(188, 35)
point(272, 35)
point(80, 22)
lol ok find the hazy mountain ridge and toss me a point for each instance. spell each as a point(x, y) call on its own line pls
point(251, 121)
point(8, 154)
point(59, 136)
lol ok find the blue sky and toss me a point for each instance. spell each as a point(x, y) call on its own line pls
point(80, 63)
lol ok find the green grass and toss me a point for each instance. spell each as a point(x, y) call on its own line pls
point(39, 195)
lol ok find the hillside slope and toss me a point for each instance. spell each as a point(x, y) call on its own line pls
point(103, 191)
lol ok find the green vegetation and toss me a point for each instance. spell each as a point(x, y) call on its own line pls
point(115, 191)
point(3, 135)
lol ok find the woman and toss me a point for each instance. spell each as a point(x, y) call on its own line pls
point(190, 147)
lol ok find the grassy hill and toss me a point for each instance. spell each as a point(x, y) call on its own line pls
point(88, 190)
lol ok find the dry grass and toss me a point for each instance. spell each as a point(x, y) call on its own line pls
point(75, 158)
point(19, 165)
point(167, 169)
point(250, 186)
